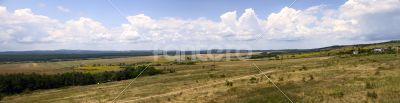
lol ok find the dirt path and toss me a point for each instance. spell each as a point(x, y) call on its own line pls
point(191, 89)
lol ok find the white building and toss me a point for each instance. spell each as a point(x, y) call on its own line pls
point(355, 52)
point(378, 50)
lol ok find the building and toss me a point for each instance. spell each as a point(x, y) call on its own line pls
point(378, 50)
point(355, 52)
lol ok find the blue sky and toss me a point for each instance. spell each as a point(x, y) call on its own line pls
point(101, 10)
point(190, 24)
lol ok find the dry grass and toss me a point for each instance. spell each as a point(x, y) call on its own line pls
point(64, 66)
point(68, 66)
point(318, 79)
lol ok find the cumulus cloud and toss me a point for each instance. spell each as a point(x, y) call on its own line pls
point(85, 30)
point(23, 26)
point(246, 27)
point(143, 28)
point(355, 20)
point(373, 19)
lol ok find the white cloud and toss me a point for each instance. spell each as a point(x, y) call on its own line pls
point(83, 30)
point(63, 9)
point(246, 27)
point(374, 19)
point(357, 8)
point(289, 24)
point(143, 28)
point(23, 26)
point(355, 20)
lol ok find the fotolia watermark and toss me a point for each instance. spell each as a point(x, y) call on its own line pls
point(211, 53)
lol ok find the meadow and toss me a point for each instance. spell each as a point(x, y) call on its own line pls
point(367, 78)
point(334, 75)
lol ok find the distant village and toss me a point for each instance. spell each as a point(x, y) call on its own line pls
point(388, 50)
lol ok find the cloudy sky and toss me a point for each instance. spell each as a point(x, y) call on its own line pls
point(194, 25)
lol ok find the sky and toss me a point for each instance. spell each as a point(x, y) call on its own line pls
point(194, 25)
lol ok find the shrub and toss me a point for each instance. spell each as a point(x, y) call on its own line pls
point(185, 63)
point(303, 68)
point(253, 80)
point(263, 55)
point(172, 70)
point(369, 85)
point(377, 72)
point(280, 78)
point(381, 68)
point(228, 83)
point(311, 77)
point(338, 94)
point(372, 95)
point(269, 76)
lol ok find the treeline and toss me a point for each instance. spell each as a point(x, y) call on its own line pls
point(264, 55)
point(387, 50)
point(18, 83)
point(68, 55)
point(14, 57)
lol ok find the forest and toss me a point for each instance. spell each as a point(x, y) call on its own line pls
point(19, 83)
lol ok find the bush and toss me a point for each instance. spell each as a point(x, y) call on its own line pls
point(311, 77)
point(263, 55)
point(253, 80)
point(185, 63)
point(372, 95)
point(171, 70)
point(222, 75)
point(377, 72)
point(338, 94)
point(269, 76)
point(228, 83)
point(280, 78)
point(369, 85)
point(303, 68)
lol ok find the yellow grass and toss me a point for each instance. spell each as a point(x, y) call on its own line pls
point(68, 66)
point(317, 79)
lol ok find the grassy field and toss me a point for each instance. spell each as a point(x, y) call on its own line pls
point(64, 66)
point(367, 78)
point(69, 66)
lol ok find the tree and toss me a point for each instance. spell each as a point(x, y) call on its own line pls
point(18, 83)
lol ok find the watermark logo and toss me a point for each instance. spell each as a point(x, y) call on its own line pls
point(212, 53)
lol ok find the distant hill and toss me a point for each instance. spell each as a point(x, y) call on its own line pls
point(68, 52)
point(392, 43)
point(66, 55)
